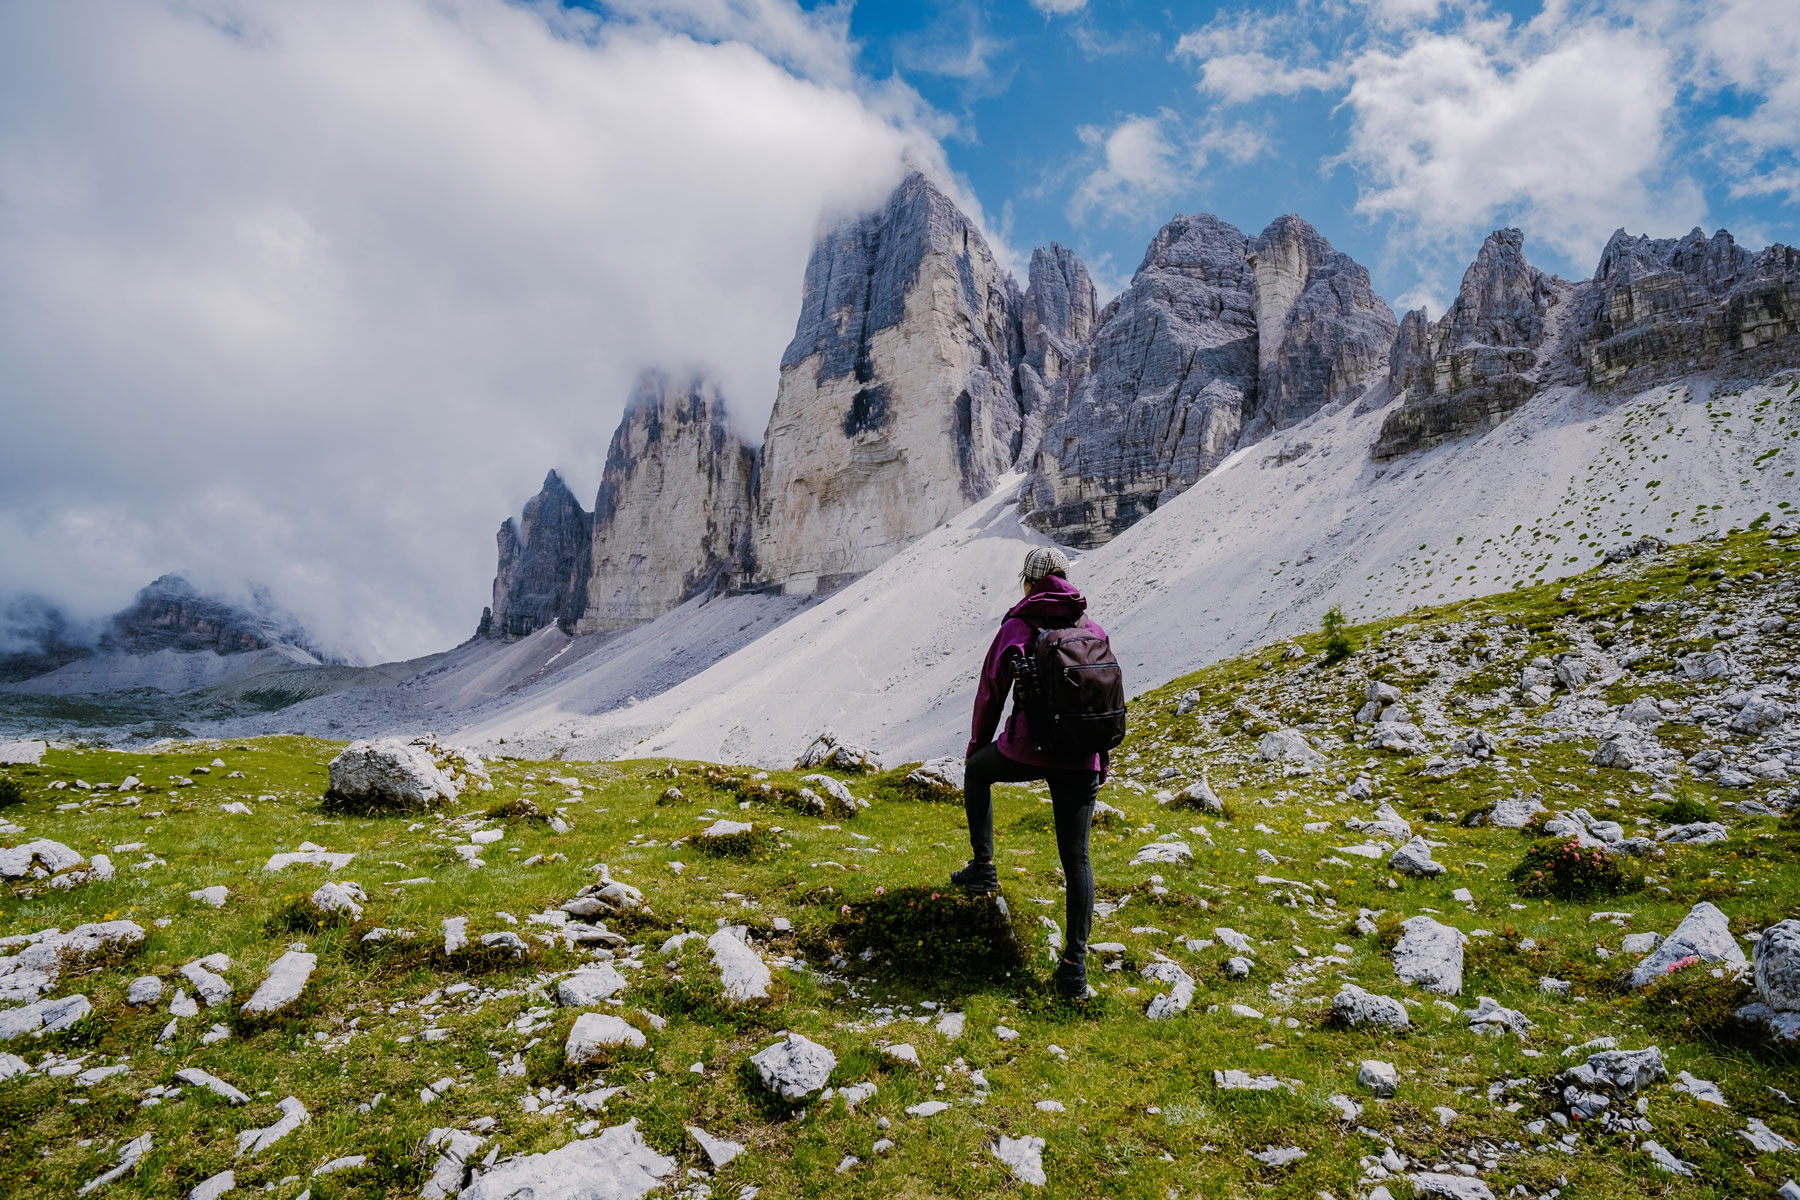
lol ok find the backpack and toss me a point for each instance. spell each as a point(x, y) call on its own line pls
point(1072, 692)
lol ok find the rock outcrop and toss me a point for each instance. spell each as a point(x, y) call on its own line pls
point(1171, 373)
point(1059, 311)
point(1321, 331)
point(896, 406)
point(1219, 340)
point(672, 517)
point(1480, 362)
point(542, 578)
point(172, 614)
point(1658, 308)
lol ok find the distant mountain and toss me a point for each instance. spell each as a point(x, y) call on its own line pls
point(170, 614)
point(920, 374)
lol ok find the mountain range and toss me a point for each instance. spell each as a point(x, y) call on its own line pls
point(1242, 437)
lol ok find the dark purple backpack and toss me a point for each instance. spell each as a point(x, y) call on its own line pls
point(1071, 690)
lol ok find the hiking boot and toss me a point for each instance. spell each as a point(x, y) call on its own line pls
point(1070, 980)
point(977, 877)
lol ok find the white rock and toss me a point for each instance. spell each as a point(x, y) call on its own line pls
point(214, 1186)
point(902, 1053)
point(856, 1093)
point(1764, 1140)
point(403, 773)
point(456, 933)
point(1288, 745)
point(1379, 1077)
point(589, 986)
point(282, 986)
point(214, 895)
point(145, 990)
point(309, 855)
point(795, 1067)
point(450, 1169)
point(1704, 932)
point(1025, 1156)
point(40, 855)
point(339, 897)
point(1242, 1081)
point(1517, 812)
point(1430, 955)
point(951, 1025)
point(1665, 1161)
point(742, 972)
point(348, 1162)
point(255, 1141)
point(1414, 858)
point(1777, 966)
point(22, 754)
point(195, 1077)
point(616, 1165)
point(718, 1151)
point(50, 1016)
point(1703, 1090)
point(1436, 1185)
point(1177, 998)
point(594, 1032)
point(1171, 853)
point(1620, 1071)
point(1489, 1016)
point(929, 1108)
point(940, 775)
point(129, 1157)
point(1640, 943)
point(1356, 1007)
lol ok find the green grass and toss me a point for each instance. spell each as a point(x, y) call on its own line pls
point(1142, 1118)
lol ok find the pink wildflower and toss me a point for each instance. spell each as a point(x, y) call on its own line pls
point(1679, 963)
point(845, 910)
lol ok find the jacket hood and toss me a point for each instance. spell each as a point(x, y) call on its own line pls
point(1054, 602)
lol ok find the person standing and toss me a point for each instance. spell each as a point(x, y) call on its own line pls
point(1020, 753)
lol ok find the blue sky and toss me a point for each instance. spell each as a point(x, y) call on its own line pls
point(1658, 93)
point(311, 295)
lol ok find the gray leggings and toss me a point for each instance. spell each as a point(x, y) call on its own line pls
point(1072, 795)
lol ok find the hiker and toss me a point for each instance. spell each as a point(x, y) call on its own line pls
point(1022, 753)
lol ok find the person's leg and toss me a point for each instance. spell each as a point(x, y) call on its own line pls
point(986, 767)
point(1072, 796)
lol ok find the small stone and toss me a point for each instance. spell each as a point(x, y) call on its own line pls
point(795, 1067)
point(593, 1033)
point(718, 1151)
point(1025, 1157)
point(1379, 1077)
point(145, 990)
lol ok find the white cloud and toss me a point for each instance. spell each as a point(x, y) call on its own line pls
point(313, 294)
point(1058, 8)
point(1753, 47)
point(1246, 56)
point(1449, 135)
point(1145, 163)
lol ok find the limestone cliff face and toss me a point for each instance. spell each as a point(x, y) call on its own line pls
point(1661, 308)
point(1321, 331)
point(1482, 360)
point(1218, 341)
point(1059, 311)
point(897, 404)
point(672, 517)
point(1655, 309)
point(542, 577)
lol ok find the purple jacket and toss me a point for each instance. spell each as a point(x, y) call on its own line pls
point(1054, 603)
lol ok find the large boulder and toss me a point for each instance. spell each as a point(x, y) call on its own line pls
point(827, 751)
point(1288, 746)
point(403, 774)
point(1415, 859)
point(616, 1165)
point(1355, 1007)
point(1777, 966)
point(1705, 934)
point(1430, 955)
point(795, 1067)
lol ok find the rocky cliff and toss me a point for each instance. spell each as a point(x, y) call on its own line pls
point(897, 402)
point(1218, 341)
point(1059, 311)
point(542, 578)
point(1480, 362)
point(672, 517)
point(1322, 333)
point(1656, 309)
point(1660, 308)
